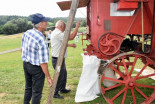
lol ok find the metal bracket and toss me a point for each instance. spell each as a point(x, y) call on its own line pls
point(103, 64)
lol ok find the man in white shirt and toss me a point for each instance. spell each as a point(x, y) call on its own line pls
point(49, 36)
point(56, 43)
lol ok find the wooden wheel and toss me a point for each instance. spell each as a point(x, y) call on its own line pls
point(127, 85)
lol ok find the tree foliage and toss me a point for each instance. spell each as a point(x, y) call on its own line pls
point(18, 24)
point(1, 30)
point(5, 19)
point(83, 23)
point(10, 28)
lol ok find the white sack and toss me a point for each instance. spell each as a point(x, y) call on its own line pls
point(109, 73)
point(88, 86)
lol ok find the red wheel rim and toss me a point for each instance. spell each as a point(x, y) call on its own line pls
point(134, 87)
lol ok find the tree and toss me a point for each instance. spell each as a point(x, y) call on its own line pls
point(51, 26)
point(1, 30)
point(83, 23)
point(5, 19)
point(29, 26)
point(17, 26)
point(74, 25)
point(10, 28)
point(22, 25)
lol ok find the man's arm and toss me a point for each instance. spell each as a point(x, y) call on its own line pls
point(73, 34)
point(44, 67)
point(71, 45)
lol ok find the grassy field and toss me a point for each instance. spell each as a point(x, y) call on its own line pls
point(12, 80)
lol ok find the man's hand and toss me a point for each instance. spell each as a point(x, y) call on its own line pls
point(50, 82)
point(78, 24)
point(72, 45)
point(74, 33)
point(44, 67)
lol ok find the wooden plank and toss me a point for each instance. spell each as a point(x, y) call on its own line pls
point(13, 50)
point(65, 5)
point(137, 0)
point(63, 48)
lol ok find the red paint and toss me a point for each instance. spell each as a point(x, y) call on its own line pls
point(98, 12)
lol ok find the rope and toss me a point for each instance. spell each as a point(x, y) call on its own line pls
point(82, 13)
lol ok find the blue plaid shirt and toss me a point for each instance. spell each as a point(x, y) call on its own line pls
point(34, 47)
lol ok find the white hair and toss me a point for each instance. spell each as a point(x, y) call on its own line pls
point(36, 25)
point(57, 24)
point(60, 23)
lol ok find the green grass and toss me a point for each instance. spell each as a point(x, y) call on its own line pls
point(81, 29)
point(12, 81)
point(2, 35)
point(10, 43)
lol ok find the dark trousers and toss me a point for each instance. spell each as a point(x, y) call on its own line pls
point(61, 84)
point(48, 43)
point(34, 78)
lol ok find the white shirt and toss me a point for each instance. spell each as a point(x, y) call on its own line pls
point(49, 36)
point(56, 42)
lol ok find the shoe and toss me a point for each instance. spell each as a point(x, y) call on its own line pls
point(65, 91)
point(58, 96)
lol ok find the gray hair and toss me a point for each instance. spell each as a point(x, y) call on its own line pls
point(36, 25)
point(60, 23)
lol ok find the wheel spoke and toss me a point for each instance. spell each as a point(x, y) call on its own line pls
point(114, 79)
point(133, 66)
point(112, 45)
point(114, 86)
point(147, 86)
point(141, 71)
point(118, 94)
point(133, 96)
point(103, 44)
point(124, 96)
point(117, 71)
point(115, 39)
point(125, 67)
point(146, 76)
point(141, 93)
point(107, 49)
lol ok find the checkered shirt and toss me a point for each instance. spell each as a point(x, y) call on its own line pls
point(34, 47)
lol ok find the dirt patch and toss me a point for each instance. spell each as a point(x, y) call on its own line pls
point(67, 97)
point(12, 36)
point(74, 68)
point(2, 94)
point(71, 86)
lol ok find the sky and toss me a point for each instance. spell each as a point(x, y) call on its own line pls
point(48, 8)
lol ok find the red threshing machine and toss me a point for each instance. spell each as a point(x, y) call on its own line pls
point(122, 34)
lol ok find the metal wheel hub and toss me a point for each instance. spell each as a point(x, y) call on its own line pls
point(130, 84)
